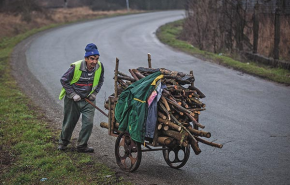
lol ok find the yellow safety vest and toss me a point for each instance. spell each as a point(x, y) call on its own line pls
point(77, 75)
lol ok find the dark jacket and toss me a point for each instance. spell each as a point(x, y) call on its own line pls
point(84, 86)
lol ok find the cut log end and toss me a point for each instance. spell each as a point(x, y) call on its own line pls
point(104, 125)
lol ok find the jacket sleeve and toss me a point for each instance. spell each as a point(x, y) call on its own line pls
point(65, 82)
point(101, 81)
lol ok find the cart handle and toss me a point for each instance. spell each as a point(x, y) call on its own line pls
point(96, 107)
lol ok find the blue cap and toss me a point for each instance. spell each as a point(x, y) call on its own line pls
point(91, 49)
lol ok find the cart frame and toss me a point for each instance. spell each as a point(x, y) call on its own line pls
point(127, 149)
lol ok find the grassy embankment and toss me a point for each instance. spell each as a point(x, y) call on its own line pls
point(28, 144)
point(168, 34)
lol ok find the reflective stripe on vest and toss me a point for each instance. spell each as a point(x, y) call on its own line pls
point(77, 75)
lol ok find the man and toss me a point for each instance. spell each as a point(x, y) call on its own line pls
point(83, 79)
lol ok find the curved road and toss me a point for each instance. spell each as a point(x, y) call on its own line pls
point(249, 115)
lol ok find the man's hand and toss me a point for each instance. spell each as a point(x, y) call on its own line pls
point(77, 97)
point(92, 97)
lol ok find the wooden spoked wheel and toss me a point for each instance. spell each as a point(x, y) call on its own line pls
point(128, 153)
point(176, 157)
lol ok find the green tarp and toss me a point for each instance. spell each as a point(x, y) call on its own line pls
point(131, 108)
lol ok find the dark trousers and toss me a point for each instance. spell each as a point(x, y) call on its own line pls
point(72, 112)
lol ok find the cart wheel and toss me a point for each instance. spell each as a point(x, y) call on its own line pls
point(128, 153)
point(176, 157)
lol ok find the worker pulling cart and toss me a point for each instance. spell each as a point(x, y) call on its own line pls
point(155, 109)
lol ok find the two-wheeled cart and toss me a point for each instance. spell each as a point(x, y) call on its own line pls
point(175, 149)
point(128, 152)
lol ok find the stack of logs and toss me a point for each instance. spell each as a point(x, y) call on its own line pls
point(178, 108)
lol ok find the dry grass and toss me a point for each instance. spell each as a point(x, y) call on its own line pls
point(12, 25)
point(74, 14)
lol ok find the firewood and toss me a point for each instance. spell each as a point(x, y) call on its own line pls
point(184, 144)
point(183, 127)
point(173, 134)
point(117, 125)
point(183, 93)
point(170, 124)
point(173, 125)
point(196, 109)
point(194, 121)
point(199, 132)
point(138, 74)
point(172, 86)
point(104, 125)
point(122, 83)
point(170, 81)
point(209, 143)
point(177, 79)
point(133, 74)
point(159, 127)
point(119, 90)
point(168, 72)
point(194, 146)
point(164, 121)
point(161, 115)
point(163, 109)
point(177, 96)
point(177, 116)
point(197, 102)
point(197, 90)
point(184, 123)
point(178, 109)
point(195, 95)
point(166, 141)
point(123, 74)
point(165, 127)
point(147, 70)
point(166, 93)
point(184, 104)
point(165, 103)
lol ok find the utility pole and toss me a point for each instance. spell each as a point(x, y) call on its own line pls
point(65, 4)
point(127, 2)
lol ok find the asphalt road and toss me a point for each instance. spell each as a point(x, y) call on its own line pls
point(249, 115)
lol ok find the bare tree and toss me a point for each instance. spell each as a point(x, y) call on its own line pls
point(22, 7)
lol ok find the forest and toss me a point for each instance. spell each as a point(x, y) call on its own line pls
point(234, 26)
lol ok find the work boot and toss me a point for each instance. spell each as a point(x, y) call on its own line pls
point(61, 147)
point(85, 149)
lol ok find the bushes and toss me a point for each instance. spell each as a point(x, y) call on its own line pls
point(21, 7)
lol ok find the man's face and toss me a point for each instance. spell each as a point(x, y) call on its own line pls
point(92, 61)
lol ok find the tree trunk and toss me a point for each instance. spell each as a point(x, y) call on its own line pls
point(255, 28)
point(277, 32)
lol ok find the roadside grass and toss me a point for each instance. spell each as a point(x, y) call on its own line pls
point(169, 33)
point(28, 143)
